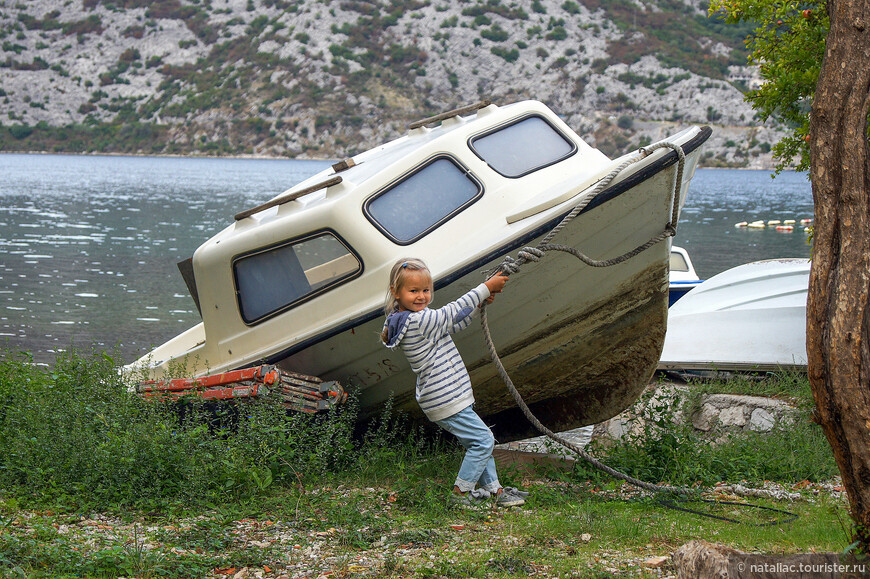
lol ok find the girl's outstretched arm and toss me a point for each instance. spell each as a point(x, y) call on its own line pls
point(454, 316)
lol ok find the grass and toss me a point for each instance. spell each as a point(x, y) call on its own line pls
point(668, 448)
point(97, 483)
point(565, 530)
point(786, 385)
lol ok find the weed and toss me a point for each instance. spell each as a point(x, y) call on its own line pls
point(665, 449)
point(74, 430)
point(513, 563)
point(76, 440)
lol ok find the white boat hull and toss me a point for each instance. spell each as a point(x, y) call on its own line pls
point(751, 317)
point(580, 343)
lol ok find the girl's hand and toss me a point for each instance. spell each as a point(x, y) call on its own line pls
point(496, 283)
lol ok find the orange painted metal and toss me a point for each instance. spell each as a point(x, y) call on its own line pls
point(264, 374)
point(295, 391)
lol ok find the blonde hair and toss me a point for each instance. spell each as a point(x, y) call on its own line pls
point(398, 276)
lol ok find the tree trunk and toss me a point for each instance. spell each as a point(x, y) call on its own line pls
point(838, 309)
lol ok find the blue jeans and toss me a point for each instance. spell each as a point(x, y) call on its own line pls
point(478, 465)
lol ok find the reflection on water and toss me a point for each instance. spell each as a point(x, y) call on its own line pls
point(88, 244)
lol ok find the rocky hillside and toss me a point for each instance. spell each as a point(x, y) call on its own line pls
point(329, 78)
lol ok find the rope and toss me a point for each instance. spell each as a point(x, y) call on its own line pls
point(567, 444)
point(510, 266)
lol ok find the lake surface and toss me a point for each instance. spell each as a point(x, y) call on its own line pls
point(89, 244)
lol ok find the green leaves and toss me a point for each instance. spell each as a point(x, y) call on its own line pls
point(787, 44)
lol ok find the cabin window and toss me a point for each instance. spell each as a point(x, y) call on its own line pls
point(423, 200)
point(523, 147)
point(272, 279)
point(678, 262)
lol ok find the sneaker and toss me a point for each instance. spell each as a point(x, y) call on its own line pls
point(472, 499)
point(516, 492)
point(506, 500)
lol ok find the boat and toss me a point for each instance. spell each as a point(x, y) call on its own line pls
point(682, 276)
point(299, 282)
point(752, 317)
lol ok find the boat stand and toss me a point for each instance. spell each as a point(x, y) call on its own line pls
point(297, 392)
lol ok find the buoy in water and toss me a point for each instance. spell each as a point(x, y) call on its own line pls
point(788, 221)
point(741, 224)
point(785, 228)
point(806, 221)
point(774, 222)
point(756, 225)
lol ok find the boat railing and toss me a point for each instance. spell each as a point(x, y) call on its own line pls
point(449, 114)
point(334, 180)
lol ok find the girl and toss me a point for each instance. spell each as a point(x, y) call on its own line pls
point(443, 386)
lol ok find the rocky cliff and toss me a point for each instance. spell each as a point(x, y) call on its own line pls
point(328, 78)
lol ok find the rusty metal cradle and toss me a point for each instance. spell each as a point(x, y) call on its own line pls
point(295, 391)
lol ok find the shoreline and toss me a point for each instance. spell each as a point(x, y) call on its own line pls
point(168, 156)
point(243, 157)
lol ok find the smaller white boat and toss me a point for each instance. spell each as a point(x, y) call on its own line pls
point(751, 317)
point(682, 276)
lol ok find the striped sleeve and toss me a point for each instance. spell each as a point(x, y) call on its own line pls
point(454, 316)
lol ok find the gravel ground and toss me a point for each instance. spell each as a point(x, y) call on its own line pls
point(313, 545)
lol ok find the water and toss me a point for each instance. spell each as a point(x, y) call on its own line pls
point(720, 198)
point(88, 244)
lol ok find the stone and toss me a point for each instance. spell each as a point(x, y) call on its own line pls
point(703, 560)
point(706, 418)
point(761, 420)
point(656, 562)
point(617, 428)
point(730, 400)
point(732, 416)
point(730, 412)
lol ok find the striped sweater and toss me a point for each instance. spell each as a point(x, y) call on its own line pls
point(443, 385)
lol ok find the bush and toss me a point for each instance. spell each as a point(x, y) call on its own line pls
point(571, 7)
point(625, 122)
point(129, 55)
point(558, 33)
point(20, 131)
point(75, 430)
point(667, 451)
point(495, 34)
point(509, 55)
